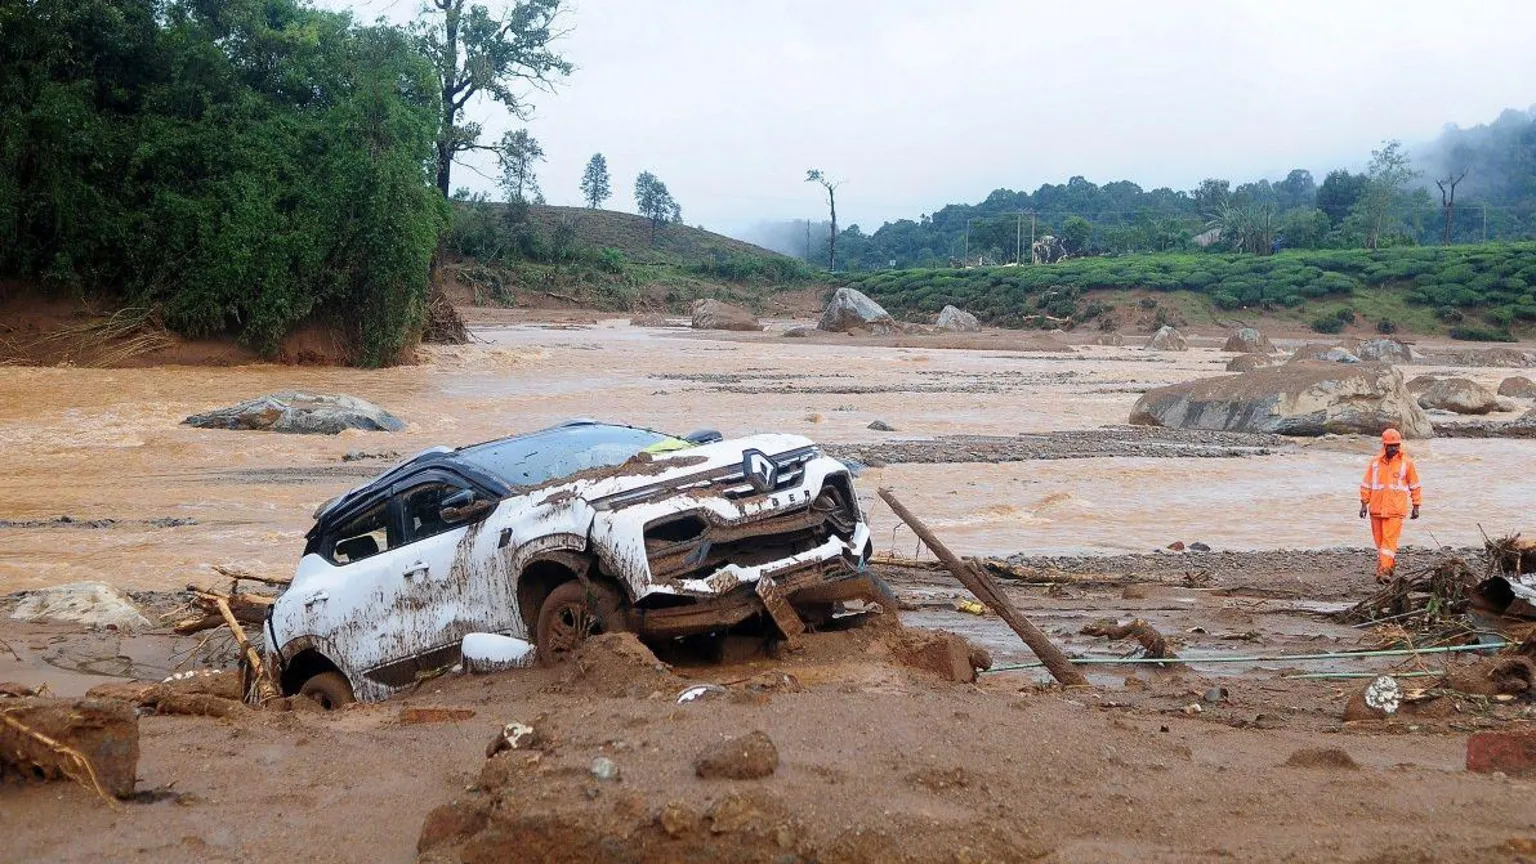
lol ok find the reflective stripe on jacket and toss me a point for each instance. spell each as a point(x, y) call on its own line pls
point(1388, 485)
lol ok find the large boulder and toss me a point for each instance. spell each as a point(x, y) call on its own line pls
point(1461, 395)
point(1293, 399)
point(1248, 362)
point(1313, 351)
point(958, 321)
point(1518, 386)
point(850, 310)
point(304, 413)
point(1419, 383)
point(1167, 339)
point(714, 315)
point(92, 604)
point(1112, 339)
point(1385, 351)
point(1248, 341)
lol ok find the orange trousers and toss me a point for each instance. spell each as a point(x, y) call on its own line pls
point(1386, 531)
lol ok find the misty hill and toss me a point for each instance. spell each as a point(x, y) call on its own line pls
point(1495, 201)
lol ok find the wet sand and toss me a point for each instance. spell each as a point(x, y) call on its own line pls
point(106, 444)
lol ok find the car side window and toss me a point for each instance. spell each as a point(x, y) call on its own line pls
point(422, 506)
point(362, 536)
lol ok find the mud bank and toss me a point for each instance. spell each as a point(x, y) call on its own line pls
point(1080, 444)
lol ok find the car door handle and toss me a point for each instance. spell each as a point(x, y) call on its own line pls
point(417, 569)
point(317, 597)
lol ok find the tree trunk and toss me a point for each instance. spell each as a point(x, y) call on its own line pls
point(832, 241)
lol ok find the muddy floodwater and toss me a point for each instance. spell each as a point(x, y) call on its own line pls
point(150, 503)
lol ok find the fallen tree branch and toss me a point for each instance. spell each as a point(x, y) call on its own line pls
point(976, 580)
point(264, 688)
point(1156, 646)
point(239, 575)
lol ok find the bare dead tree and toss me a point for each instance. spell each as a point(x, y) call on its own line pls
point(1448, 203)
point(815, 175)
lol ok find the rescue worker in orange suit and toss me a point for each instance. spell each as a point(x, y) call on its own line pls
point(1391, 481)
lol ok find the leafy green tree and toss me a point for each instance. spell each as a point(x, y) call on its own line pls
point(474, 52)
point(1304, 227)
point(815, 175)
point(1075, 233)
point(1211, 197)
point(518, 152)
point(1298, 189)
point(1381, 202)
point(1338, 194)
point(595, 188)
point(655, 203)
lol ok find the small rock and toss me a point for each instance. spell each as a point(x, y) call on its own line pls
point(1518, 387)
point(882, 426)
point(1377, 700)
point(799, 332)
point(746, 758)
point(1322, 757)
point(604, 769)
point(1215, 694)
point(1197, 546)
point(1176, 546)
point(1168, 339)
point(515, 736)
point(677, 819)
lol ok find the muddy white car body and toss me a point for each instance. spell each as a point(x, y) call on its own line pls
point(451, 542)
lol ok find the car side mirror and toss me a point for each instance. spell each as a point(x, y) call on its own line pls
point(463, 506)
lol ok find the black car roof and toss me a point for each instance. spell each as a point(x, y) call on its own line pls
point(454, 460)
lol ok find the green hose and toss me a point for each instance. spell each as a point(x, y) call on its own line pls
point(1279, 658)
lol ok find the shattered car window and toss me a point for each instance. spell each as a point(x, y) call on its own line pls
point(532, 460)
point(363, 537)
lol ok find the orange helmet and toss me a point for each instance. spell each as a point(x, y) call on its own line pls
point(1391, 436)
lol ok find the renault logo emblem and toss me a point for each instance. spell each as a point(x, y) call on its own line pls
point(759, 470)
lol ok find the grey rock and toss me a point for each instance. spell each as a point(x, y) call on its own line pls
point(1248, 341)
point(1518, 386)
point(882, 426)
point(1197, 546)
point(1419, 383)
point(1462, 395)
point(604, 768)
point(1168, 339)
point(850, 310)
point(93, 604)
point(1112, 339)
point(799, 332)
point(1294, 399)
point(958, 321)
point(714, 315)
point(1385, 351)
point(301, 413)
point(1248, 362)
point(1326, 353)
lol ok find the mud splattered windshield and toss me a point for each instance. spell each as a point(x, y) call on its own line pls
point(532, 460)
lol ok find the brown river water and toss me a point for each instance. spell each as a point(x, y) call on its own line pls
point(108, 444)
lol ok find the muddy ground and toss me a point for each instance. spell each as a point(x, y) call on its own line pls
point(1001, 446)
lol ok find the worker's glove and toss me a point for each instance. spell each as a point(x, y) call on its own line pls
point(1415, 514)
point(1365, 510)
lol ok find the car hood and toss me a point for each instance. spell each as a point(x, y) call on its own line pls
point(658, 470)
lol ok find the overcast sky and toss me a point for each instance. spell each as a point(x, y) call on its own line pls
point(919, 103)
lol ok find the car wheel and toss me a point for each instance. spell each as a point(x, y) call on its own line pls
point(330, 689)
point(571, 614)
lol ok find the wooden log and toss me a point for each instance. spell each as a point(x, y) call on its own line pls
point(986, 590)
point(246, 576)
point(264, 688)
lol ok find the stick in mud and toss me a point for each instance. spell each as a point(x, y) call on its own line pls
point(264, 688)
point(982, 585)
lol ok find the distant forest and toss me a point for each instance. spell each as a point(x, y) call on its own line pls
point(1396, 201)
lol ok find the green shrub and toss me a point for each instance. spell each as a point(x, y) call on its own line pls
point(1473, 333)
point(1328, 324)
point(1386, 326)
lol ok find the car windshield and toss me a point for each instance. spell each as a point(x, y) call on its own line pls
point(536, 459)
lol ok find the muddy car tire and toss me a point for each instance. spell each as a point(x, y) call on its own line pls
point(570, 614)
point(330, 689)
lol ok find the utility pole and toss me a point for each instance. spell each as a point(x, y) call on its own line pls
point(1018, 234)
point(966, 258)
point(1031, 236)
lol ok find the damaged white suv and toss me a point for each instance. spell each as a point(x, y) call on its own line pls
point(555, 535)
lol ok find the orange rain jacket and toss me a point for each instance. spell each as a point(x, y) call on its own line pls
point(1389, 484)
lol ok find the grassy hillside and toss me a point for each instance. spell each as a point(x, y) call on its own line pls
point(1474, 292)
point(606, 259)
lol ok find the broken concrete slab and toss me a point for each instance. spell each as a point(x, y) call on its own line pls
point(300, 413)
point(92, 604)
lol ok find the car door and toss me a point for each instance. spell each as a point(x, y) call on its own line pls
point(443, 567)
point(350, 602)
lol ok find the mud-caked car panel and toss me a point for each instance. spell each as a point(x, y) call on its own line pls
point(453, 542)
